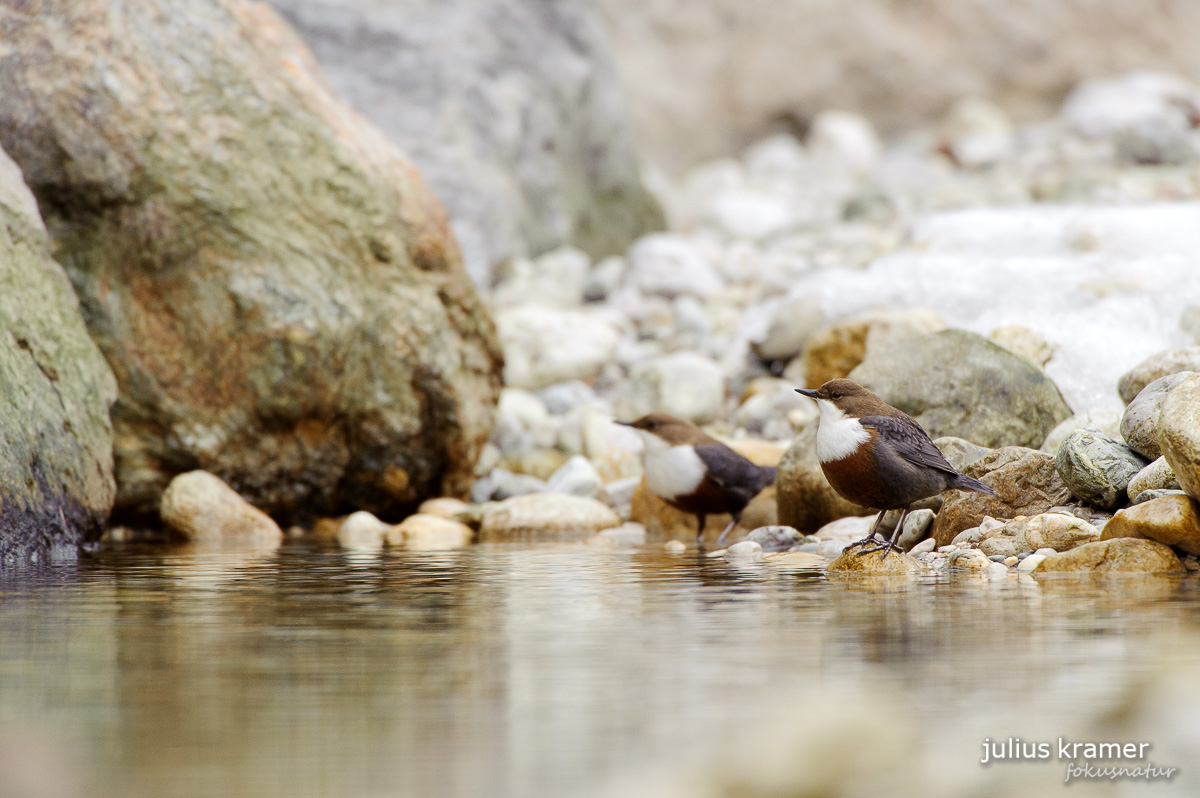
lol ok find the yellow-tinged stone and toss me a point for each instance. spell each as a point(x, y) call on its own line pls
point(796, 559)
point(423, 532)
point(1172, 520)
point(1058, 531)
point(1118, 555)
point(853, 561)
point(1179, 433)
point(540, 463)
point(444, 507)
point(201, 507)
point(759, 452)
point(327, 528)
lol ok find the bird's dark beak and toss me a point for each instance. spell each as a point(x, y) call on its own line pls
point(805, 391)
point(623, 423)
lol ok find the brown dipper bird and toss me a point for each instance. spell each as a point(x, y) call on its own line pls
point(879, 457)
point(692, 472)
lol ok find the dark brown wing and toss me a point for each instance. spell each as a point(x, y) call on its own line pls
point(739, 479)
point(909, 441)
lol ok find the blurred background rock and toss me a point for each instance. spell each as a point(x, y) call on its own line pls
point(709, 77)
point(511, 109)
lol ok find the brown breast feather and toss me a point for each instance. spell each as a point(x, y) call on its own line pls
point(706, 498)
point(855, 477)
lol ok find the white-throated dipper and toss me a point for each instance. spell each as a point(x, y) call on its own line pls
point(878, 456)
point(693, 472)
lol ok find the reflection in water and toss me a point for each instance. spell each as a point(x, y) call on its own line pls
point(544, 670)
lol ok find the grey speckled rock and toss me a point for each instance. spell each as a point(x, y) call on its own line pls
point(1179, 433)
point(1170, 361)
point(275, 287)
point(1156, 493)
point(958, 383)
point(521, 128)
point(1139, 423)
point(56, 468)
point(916, 529)
point(577, 477)
point(1096, 468)
point(775, 538)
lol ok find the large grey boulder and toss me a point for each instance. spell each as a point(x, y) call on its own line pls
point(275, 287)
point(511, 109)
point(56, 472)
point(957, 383)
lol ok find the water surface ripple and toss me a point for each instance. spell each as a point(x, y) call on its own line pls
point(524, 670)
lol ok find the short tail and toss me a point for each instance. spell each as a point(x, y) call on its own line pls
point(967, 483)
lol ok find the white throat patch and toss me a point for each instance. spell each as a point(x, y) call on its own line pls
point(671, 471)
point(837, 435)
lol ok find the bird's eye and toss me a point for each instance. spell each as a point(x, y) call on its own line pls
point(836, 394)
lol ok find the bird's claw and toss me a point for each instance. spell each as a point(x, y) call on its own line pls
point(886, 546)
point(867, 540)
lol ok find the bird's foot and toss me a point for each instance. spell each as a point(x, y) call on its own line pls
point(886, 546)
point(869, 539)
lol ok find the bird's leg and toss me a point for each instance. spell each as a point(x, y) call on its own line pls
point(700, 521)
point(891, 544)
point(870, 535)
point(728, 529)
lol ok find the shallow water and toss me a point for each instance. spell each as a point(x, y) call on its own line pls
point(541, 670)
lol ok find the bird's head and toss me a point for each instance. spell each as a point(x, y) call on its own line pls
point(672, 430)
point(849, 398)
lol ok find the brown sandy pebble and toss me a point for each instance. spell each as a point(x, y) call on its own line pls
point(1119, 555)
point(424, 532)
point(202, 508)
point(1172, 520)
point(1025, 479)
point(853, 561)
point(545, 514)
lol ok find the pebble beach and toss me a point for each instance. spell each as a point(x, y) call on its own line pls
point(1021, 290)
point(325, 327)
